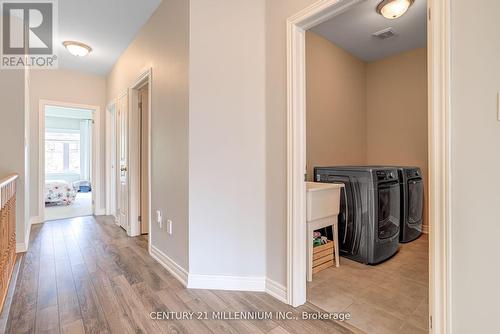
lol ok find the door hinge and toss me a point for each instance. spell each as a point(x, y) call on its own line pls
point(429, 14)
point(430, 321)
point(139, 219)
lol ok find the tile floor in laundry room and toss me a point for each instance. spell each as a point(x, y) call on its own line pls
point(391, 297)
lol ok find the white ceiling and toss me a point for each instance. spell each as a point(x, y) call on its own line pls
point(352, 30)
point(108, 26)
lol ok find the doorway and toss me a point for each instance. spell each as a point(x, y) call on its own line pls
point(69, 160)
point(133, 145)
point(143, 110)
point(122, 176)
point(438, 146)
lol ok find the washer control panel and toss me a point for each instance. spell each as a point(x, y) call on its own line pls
point(411, 173)
point(387, 175)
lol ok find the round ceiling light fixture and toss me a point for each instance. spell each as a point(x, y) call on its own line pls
point(77, 49)
point(392, 9)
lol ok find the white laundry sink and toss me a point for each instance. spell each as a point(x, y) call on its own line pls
point(323, 200)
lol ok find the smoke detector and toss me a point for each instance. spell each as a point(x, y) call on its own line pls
point(385, 33)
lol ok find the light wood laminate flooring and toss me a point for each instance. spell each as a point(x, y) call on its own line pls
point(84, 275)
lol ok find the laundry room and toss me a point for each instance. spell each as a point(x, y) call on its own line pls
point(367, 152)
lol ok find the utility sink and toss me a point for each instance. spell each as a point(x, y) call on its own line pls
point(323, 200)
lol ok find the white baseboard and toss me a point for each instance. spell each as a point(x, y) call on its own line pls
point(35, 220)
point(176, 270)
point(276, 290)
point(100, 212)
point(222, 282)
point(22, 247)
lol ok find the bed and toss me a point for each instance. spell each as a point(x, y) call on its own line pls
point(59, 193)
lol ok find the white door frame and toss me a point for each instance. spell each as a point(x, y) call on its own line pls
point(134, 153)
point(111, 172)
point(96, 153)
point(439, 152)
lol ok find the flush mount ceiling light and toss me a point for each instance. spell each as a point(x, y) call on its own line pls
point(77, 49)
point(392, 9)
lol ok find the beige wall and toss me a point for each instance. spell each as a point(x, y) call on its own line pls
point(336, 105)
point(227, 178)
point(12, 139)
point(163, 45)
point(397, 112)
point(475, 166)
point(365, 113)
point(63, 86)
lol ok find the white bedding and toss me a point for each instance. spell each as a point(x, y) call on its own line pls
point(59, 193)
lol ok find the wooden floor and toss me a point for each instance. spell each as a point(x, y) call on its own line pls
point(85, 275)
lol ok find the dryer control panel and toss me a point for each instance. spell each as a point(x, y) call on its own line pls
point(387, 175)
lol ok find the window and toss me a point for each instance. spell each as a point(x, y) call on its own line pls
point(62, 152)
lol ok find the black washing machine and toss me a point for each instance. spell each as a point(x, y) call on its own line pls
point(369, 218)
point(412, 203)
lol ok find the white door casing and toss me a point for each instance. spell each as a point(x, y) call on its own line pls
point(439, 153)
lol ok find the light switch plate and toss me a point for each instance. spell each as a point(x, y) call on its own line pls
point(169, 226)
point(159, 218)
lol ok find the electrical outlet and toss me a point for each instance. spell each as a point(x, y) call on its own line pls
point(159, 218)
point(169, 226)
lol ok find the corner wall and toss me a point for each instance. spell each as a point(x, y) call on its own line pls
point(396, 104)
point(371, 113)
point(336, 123)
point(227, 136)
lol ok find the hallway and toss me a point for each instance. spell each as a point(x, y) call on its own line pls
point(84, 275)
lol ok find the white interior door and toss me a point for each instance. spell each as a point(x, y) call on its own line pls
point(113, 158)
point(122, 162)
point(144, 157)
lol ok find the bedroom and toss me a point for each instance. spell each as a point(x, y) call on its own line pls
point(67, 189)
